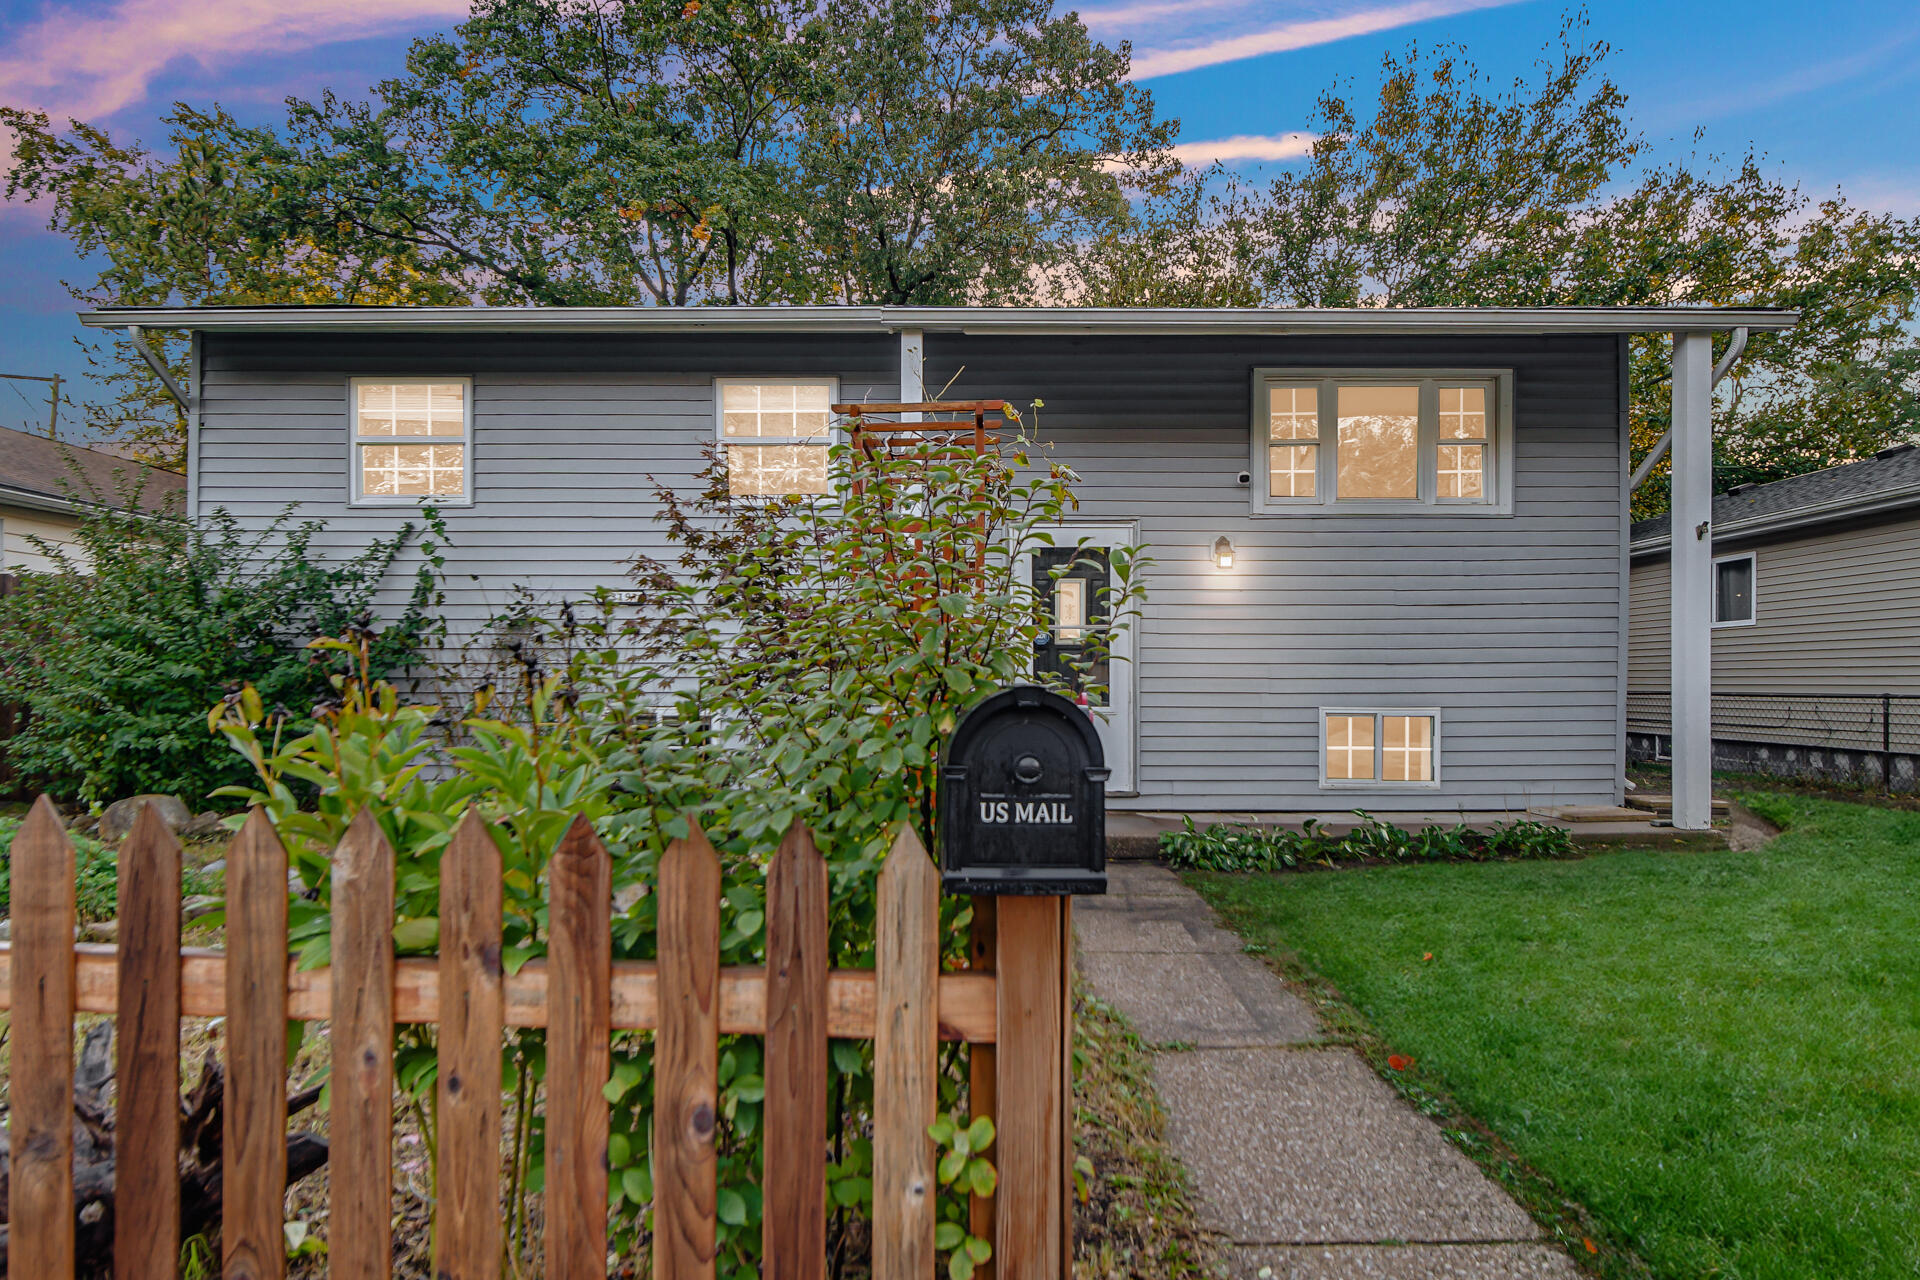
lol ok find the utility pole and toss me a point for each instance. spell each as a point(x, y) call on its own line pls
point(53, 407)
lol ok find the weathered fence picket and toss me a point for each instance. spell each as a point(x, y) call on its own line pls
point(360, 1217)
point(905, 1005)
point(146, 1223)
point(580, 953)
point(794, 1215)
point(905, 1063)
point(467, 1234)
point(40, 1141)
point(254, 1173)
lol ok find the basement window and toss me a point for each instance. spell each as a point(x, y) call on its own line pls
point(1386, 749)
point(412, 442)
point(1382, 442)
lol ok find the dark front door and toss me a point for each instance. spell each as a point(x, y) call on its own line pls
point(1074, 582)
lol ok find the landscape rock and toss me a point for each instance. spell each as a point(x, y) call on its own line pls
point(203, 826)
point(120, 815)
point(197, 905)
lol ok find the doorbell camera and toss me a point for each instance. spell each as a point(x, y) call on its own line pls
point(1246, 477)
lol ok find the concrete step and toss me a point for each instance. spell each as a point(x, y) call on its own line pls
point(1662, 804)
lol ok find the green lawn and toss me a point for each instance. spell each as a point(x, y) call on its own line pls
point(1717, 1053)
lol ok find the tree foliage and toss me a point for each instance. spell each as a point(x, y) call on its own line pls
point(1453, 191)
point(801, 660)
point(116, 654)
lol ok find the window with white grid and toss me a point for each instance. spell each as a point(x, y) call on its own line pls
point(1381, 441)
point(1461, 468)
point(412, 441)
point(776, 436)
point(1380, 748)
point(1293, 441)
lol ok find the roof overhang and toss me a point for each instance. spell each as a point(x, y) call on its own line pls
point(1007, 320)
point(1884, 502)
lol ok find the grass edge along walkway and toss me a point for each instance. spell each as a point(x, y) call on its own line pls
point(1715, 1053)
point(1137, 1217)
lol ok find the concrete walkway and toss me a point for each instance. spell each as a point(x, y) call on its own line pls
point(1305, 1161)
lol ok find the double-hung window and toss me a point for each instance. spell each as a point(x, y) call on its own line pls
point(412, 441)
point(1382, 441)
point(1370, 748)
point(776, 435)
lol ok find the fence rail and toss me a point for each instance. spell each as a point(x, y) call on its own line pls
point(906, 1005)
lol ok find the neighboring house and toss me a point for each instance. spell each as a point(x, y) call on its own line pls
point(1425, 604)
point(1815, 600)
point(41, 496)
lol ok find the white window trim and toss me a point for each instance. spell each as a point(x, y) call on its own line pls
point(1379, 747)
point(831, 383)
point(1499, 499)
point(1753, 579)
point(355, 498)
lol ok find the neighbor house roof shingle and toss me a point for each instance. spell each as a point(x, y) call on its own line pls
point(38, 468)
point(1889, 479)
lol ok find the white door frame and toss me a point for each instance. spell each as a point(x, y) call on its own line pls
point(1117, 722)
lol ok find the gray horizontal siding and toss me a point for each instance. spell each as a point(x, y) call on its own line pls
point(1510, 625)
point(572, 436)
point(1836, 611)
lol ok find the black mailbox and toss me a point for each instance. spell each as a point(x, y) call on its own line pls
point(1023, 798)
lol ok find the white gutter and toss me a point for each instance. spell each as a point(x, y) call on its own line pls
point(1659, 450)
point(1005, 320)
point(1798, 517)
point(154, 362)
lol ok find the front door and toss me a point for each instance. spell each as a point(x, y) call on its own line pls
point(1074, 580)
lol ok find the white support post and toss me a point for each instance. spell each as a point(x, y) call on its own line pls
point(1692, 603)
point(913, 355)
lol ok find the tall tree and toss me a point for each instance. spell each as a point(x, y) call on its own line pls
point(577, 152)
point(1455, 193)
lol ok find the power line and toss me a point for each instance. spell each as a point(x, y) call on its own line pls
point(53, 400)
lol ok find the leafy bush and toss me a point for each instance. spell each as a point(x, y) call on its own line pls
point(803, 661)
point(116, 655)
point(96, 875)
point(1221, 847)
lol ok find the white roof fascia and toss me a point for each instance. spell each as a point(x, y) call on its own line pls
point(1010, 320)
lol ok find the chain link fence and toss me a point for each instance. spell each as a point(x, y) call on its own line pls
point(1871, 738)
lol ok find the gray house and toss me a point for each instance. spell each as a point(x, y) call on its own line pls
point(1815, 599)
point(1389, 547)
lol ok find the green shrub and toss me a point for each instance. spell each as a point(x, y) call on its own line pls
point(1221, 847)
point(117, 654)
point(96, 875)
point(801, 661)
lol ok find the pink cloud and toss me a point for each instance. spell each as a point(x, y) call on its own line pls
point(93, 65)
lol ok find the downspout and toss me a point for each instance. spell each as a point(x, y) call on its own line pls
point(1720, 370)
point(166, 375)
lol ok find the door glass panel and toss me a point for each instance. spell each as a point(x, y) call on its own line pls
point(1069, 610)
point(1074, 582)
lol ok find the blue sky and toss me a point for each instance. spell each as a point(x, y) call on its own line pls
point(1826, 92)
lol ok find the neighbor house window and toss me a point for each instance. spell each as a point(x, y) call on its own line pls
point(1369, 441)
point(776, 436)
point(412, 441)
point(1733, 583)
point(1379, 748)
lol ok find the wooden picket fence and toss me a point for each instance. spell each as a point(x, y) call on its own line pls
point(1013, 1005)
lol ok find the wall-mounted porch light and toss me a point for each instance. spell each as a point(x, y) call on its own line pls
point(1222, 553)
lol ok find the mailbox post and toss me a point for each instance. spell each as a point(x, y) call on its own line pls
point(1022, 829)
